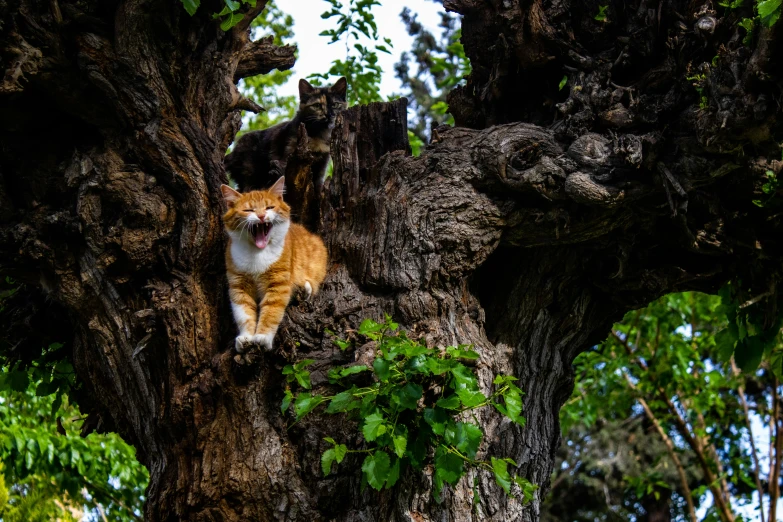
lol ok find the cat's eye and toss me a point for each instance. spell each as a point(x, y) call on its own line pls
point(270, 208)
point(249, 210)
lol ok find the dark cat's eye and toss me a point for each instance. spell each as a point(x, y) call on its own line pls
point(249, 210)
point(270, 208)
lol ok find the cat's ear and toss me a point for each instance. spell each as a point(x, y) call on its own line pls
point(278, 189)
point(305, 88)
point(229, 195)
point(339, 87)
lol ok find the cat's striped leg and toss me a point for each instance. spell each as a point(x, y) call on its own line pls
point(273, 307)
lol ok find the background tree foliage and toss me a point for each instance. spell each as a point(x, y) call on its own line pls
point(53, 473)
point(662, 424)
point(262, 89)
point(428, 71)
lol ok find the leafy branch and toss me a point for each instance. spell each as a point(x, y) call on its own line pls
point(360, 67)
point(412, 410)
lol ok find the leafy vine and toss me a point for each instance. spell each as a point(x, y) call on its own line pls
point(415, 412)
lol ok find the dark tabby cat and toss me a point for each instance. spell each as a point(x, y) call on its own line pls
point(251, 162)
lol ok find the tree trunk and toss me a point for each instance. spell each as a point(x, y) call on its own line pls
point(526, 240)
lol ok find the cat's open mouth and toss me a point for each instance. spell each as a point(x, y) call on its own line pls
point(260, 233)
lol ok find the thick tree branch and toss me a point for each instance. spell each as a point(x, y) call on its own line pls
point(263, 56)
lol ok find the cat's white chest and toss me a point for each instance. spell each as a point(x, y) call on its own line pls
point(254, 261)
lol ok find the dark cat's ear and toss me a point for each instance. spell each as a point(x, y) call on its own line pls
point(339, 87)
point(278, 189)
point(305, 88)
point(229, 195)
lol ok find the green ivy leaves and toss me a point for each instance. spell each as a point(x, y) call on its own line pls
point(298, 373)
point(407, 407)
point(335, 454)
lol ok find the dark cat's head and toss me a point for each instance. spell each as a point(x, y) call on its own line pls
point(321, 105)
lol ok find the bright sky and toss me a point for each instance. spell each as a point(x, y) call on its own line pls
point(316, 55)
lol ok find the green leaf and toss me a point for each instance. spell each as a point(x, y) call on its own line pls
point(769, 11)
point(394, 474)
point(342, 345)
point(374, 426)
point(343, 401)
point(440, 107)
point(340, 451)
point(451, 402)
point(562, 83)
point(466, 437)
point(327, 458)
point(725, 342)
point(417, 452)
point(462, 354)
point(440, 366)
point(191, 6)
point(286, 401)
point(302, 364)
point(471, 398)
point(381, 368)
point(400, 440)
point(351, 370)
point(18, 380)
point(748, 353)
point(232, 5)
point(448, 466)
point(527, 487)
point(46, 388)
point(500, 468)
point(305, 403)
point(303, 378)
point(464, 377)
point(376, 469)
point(231, 20)
point(370, 328)
point(406, 398)
point(437, 419)
point(418, 364)
point(58, 400)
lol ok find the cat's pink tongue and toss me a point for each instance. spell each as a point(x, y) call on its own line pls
point(261, 240)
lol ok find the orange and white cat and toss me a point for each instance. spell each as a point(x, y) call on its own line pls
point(267, 256)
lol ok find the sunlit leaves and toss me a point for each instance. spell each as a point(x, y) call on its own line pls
point(676, 355)
point(354, 23)
point(58, 469)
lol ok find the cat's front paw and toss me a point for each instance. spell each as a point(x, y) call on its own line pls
point(242, 343)
point(308, 289)
point(264, 340)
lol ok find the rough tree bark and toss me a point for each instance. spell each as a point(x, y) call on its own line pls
point(527, 230)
